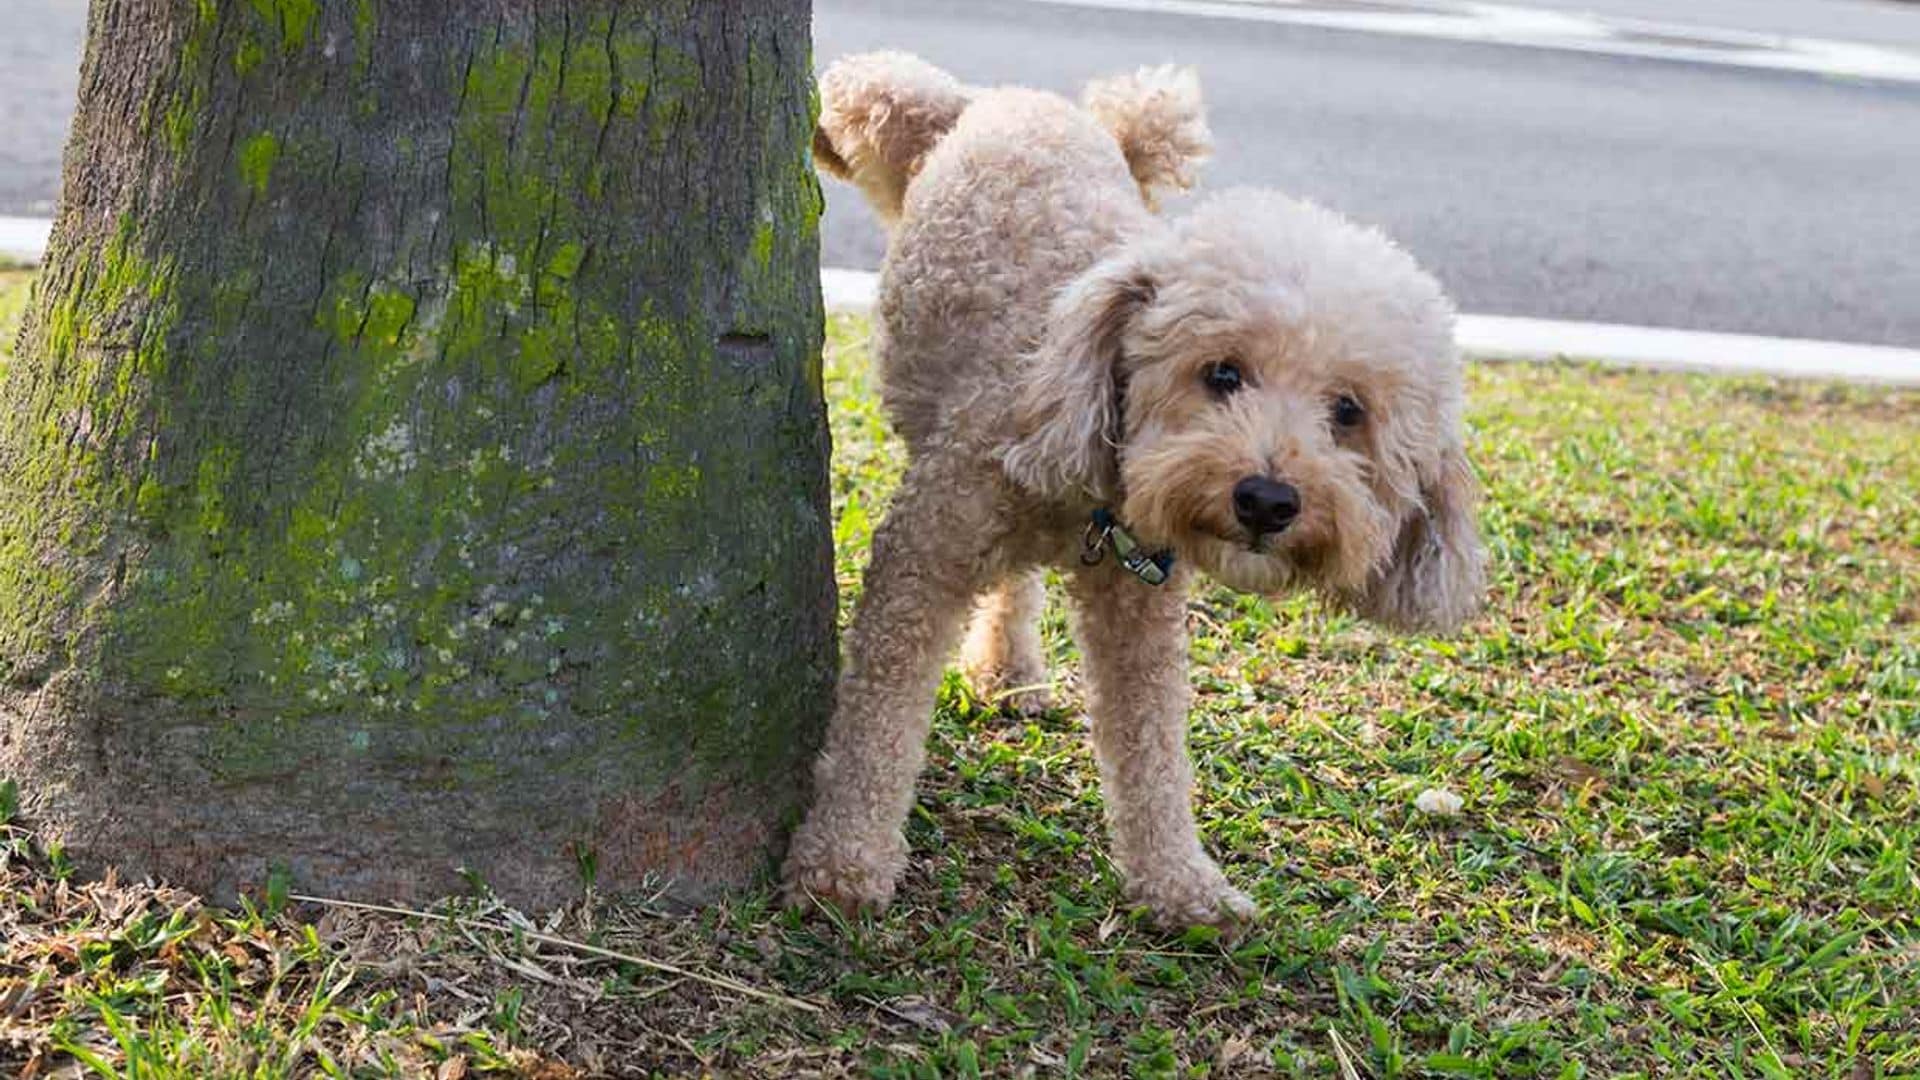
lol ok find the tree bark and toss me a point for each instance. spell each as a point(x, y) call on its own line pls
point(415, 457)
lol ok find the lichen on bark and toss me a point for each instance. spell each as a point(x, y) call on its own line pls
point(432, 414)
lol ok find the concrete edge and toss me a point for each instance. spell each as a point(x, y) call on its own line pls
point(1489, 337)
point(1503, 337)
point(24, 239)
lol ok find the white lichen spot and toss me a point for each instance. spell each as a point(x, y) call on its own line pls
point(387, 454)
point(278, 611)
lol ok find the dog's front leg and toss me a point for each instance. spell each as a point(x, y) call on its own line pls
point(1133, 637)
point(924, 570)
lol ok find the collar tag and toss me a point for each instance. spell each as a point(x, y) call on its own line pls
point(1104, 531)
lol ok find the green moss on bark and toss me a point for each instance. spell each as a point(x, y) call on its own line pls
point(257, 156)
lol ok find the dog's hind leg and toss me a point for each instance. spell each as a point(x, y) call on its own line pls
point(1002, 656)
point(1134, 640)
point(924, 570)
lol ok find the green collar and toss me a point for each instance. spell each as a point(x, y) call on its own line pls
point(1105, 530)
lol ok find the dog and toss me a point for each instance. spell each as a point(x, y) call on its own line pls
point(1260, 391)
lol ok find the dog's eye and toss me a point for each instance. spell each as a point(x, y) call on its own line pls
point(1222, 378)
point(1347, 412)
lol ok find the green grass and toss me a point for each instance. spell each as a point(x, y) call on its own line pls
point(1684, 731)
point(15, 284)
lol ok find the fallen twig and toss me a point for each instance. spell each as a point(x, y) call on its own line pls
point(1340, 1051)
point(718, 981)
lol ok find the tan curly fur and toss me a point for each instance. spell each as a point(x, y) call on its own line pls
point(881, 112)
point(1047, 345)
point(1156, 116)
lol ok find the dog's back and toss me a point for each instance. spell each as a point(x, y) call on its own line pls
point(995, 199)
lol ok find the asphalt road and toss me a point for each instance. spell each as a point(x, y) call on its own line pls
point(1534, 182)
point(40, 46)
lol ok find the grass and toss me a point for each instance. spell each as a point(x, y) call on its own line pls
point(15, 284)
point(1684, 734)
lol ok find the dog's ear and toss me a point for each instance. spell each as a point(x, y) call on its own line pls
point(1066, 425)
point(1436, 578)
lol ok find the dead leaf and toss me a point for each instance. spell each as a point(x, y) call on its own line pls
point(1578, 773)
point(921, 1013)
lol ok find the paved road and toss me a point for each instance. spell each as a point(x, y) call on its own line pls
point(1535, 182)
point(40, 46)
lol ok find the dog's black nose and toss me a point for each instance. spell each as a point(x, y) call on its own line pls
point(1265, 505)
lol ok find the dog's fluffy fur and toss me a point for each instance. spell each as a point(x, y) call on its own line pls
point(1044, 342)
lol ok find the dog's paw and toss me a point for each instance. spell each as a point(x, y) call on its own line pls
point(817, 872)
point(1194, 895)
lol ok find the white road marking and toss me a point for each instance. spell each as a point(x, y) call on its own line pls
point(1502, 24)
point(1502, 337)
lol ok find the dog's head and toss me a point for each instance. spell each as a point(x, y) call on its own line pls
point(1273, 392)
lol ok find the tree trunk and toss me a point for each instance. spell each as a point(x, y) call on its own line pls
point(415, 457)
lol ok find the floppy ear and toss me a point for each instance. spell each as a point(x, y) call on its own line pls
point(1066, 423)
point(1437, 577)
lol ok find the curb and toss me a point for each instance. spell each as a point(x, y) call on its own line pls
point(1502, 337)
point(24, 239)
point(1486, 337)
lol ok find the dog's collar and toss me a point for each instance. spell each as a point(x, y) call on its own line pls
point(1105, 531)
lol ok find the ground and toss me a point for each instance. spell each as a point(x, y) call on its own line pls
point(1683, 736)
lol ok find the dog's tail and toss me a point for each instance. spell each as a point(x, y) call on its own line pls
point(880, 113)
point(1157, 116)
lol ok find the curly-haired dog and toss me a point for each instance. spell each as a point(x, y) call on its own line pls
point(1261, 391)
